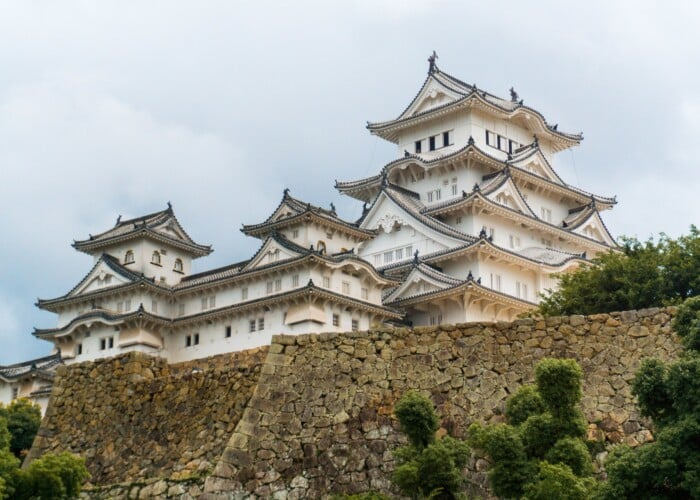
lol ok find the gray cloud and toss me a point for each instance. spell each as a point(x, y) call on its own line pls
point(117, 107)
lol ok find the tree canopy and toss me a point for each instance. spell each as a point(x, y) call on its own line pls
point(23, 419)
point(639, 275)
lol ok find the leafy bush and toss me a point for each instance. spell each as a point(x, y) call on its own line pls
point(427, 468)
point(540, 453)
point(23, 419)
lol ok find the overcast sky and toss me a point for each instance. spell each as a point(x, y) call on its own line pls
point(117, 107)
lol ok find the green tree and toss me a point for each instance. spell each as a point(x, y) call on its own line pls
point(23, 419)
point(427, 467)
point(640, 275)
point(540, 452)
point(670, 395)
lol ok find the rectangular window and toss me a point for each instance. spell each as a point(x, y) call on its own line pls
point(79, 349)
point(430, 196)
point(547, 243)
point(346, 288)
point(188, 341)
point(336, 320)
point(431, 143)
point(433, 319)
point(120, 306)
point(364, 293)
point(205, 303)
point(438, 194)
point(399, 253)
point(261, 323)
point(295, 233)
point(228, 332)
point(268, 287)
point(244, 293)
point(489, 140)
point(388, 257)
point(195, 341)
point(295, 280)
point(329, 236)
point(251, 325)
point(409, 250)
point(110, 342)
point(181, 309)
point(355, 325)
point(103, 344)
point(454, 189)
point(127, 305)
point(326, 282)
point(523, 288)
point(154, 306)
point(212, 301)
point(458, 220)
point(377, 260)
point(496, 282)
point(546, 214)
point(278, 284)
point(517, 289)
point(446, 138)
point(15, 392)
point(418, 146)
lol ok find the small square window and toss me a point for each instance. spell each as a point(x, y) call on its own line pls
point(355, 325)
point(251, 325)
point(261, 323)
point(336, 320)
point(244, 293)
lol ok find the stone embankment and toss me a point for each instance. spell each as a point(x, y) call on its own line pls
point(312, 414)
point(135, 417)
point(320, 420)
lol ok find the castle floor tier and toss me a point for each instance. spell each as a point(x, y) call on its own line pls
point(469, 223)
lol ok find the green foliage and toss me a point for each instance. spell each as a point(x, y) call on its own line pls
point(670, 395)
point(557, 482)
point(427, 468)
point(418, 419)
point(559, 384)
point(573, 453)
point(51, 476)
point(540, 453)
point(523, 404)
point(642, 275)
point(23, 420)
point(361, 496)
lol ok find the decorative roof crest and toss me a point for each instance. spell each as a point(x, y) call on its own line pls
point(432, 68)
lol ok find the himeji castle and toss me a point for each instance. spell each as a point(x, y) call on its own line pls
point(470, 223)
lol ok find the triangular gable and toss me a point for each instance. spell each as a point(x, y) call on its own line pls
point(171, 228)
point(386, 217)
point(594, 228)
point(283, 211)
point(537, 164)
point(420, 281)
point(103, 275)
point(508, 194)
point(433, 94)
point(273, 250)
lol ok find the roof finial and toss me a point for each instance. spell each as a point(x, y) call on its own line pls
point(119, 219)
point(285, 192)
point(406, 154)
point(482, 233)
point(555, 126)
point(432, 68)
point(513, 95)
point(332, 207)
point(170, 205)
point(415, 257)
point(471, 140)
point(364, 208)
point(535, 141)
point(476, 187)
point(470, 276)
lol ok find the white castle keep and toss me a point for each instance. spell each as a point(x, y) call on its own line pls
point(469, 223)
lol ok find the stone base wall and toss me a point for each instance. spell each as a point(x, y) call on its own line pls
point(320, 420)
point(135, 417)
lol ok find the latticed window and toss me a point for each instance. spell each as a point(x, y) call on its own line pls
point(155, 258)
point(129, 257)
point(178, 266)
